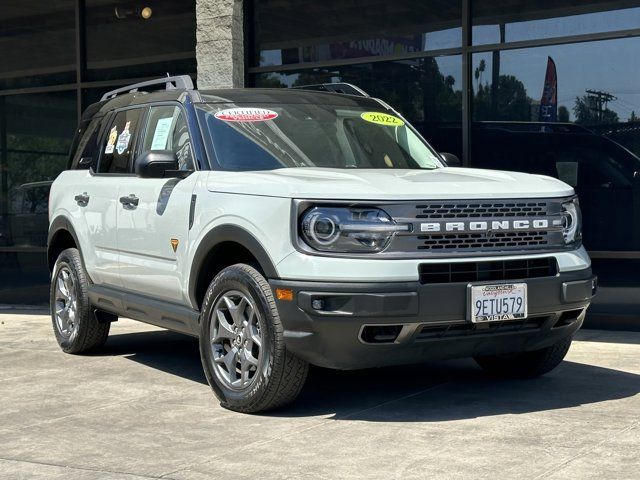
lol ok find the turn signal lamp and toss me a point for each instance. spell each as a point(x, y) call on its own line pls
point(284, 294)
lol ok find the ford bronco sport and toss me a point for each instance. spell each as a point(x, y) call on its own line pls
point(290, 227)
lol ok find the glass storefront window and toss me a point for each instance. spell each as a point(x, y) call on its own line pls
point(292, 32)
point(426, 91)
point(128, 40)
point(123, 41)
point(37, 41)
point(503, 21)
point(584, 128)
point(35, 135)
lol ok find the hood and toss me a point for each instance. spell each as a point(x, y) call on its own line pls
point(379, 184)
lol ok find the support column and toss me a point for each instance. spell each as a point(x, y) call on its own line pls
point(220, 43)
point(467, 83)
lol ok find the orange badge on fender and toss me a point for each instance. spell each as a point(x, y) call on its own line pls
point(174, 244)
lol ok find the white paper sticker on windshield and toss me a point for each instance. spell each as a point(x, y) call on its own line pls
point(113, 135)
point(123, 139)
point(248, 114)
point(161, 134)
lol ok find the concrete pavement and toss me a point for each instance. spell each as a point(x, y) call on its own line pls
point(140, 408)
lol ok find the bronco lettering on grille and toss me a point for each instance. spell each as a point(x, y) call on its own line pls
point(475, 226)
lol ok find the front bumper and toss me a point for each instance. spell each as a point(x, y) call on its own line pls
point(362, 325)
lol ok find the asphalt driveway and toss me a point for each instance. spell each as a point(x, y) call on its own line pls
point(141, 408)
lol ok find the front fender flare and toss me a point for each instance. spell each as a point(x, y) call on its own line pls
point(228, 233)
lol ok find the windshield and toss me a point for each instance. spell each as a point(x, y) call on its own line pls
point(269, 136)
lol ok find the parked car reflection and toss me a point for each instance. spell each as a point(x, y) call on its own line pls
point(605, 175)
point(26, 222)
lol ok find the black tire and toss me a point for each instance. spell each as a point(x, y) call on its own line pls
point(526, 364)
point(279, 375)
point(87, 333)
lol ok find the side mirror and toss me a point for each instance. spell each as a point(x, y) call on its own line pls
point(450, 159)
point(156, 164)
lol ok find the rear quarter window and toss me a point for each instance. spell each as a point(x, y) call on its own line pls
point(87, 147)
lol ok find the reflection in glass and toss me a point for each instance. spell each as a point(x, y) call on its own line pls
point(502, 21)
point(122, 42)
point(37, 41)
point(426, 91)
point(38, 134)
point(294, 32)
point(359, 133)
point(593, 146)
point(34, 148)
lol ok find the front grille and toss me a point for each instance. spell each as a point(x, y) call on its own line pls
point(496, 270)
point(464, 227)
point(444, 211)
point(498, 240)
point(466, 329)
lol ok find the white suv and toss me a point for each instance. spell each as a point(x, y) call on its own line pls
point(290, 227)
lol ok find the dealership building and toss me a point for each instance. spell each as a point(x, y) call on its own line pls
point(544, 87)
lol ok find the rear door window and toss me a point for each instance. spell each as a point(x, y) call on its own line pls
point(118, 145)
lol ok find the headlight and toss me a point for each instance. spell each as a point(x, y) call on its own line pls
point(348, 229)
point(571, 222)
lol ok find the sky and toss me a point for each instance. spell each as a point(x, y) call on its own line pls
point(612, 66)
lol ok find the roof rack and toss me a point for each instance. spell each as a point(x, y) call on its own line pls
point(344, 88)
point(171, 83)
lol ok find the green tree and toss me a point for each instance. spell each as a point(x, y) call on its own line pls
point(512, 101)
point(479, 71)
point(563, 114)
point(587, 114)
point(633, 117)
point(269, 80)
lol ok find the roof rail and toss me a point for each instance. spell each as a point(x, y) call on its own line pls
point(344, 88)
point(172, 83)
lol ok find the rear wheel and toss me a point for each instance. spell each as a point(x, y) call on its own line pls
point(526, 364)
point(75, 326)
point(242, 345)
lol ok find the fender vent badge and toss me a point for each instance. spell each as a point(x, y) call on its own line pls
point(174, 244)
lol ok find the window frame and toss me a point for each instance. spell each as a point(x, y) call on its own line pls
point(110, 118)
point(143, 131)
point(212, 152)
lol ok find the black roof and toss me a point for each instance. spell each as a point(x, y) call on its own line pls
point(233, 95)
point(136, 98)
point(283, 95)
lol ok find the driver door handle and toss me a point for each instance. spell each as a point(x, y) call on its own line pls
point(130, 201)
point(82, 199)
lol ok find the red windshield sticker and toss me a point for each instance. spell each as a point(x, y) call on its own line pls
point(246, 115)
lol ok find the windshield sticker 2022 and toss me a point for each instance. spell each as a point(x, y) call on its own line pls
point(382, 119)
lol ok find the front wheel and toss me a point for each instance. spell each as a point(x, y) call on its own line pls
point(526, 364)
point(242, 346)
point(76, 327)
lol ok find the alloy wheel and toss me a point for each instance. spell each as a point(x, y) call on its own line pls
point(236, 340)
point(66, 303)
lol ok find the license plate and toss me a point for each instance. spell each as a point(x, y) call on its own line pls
point(490, 303)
